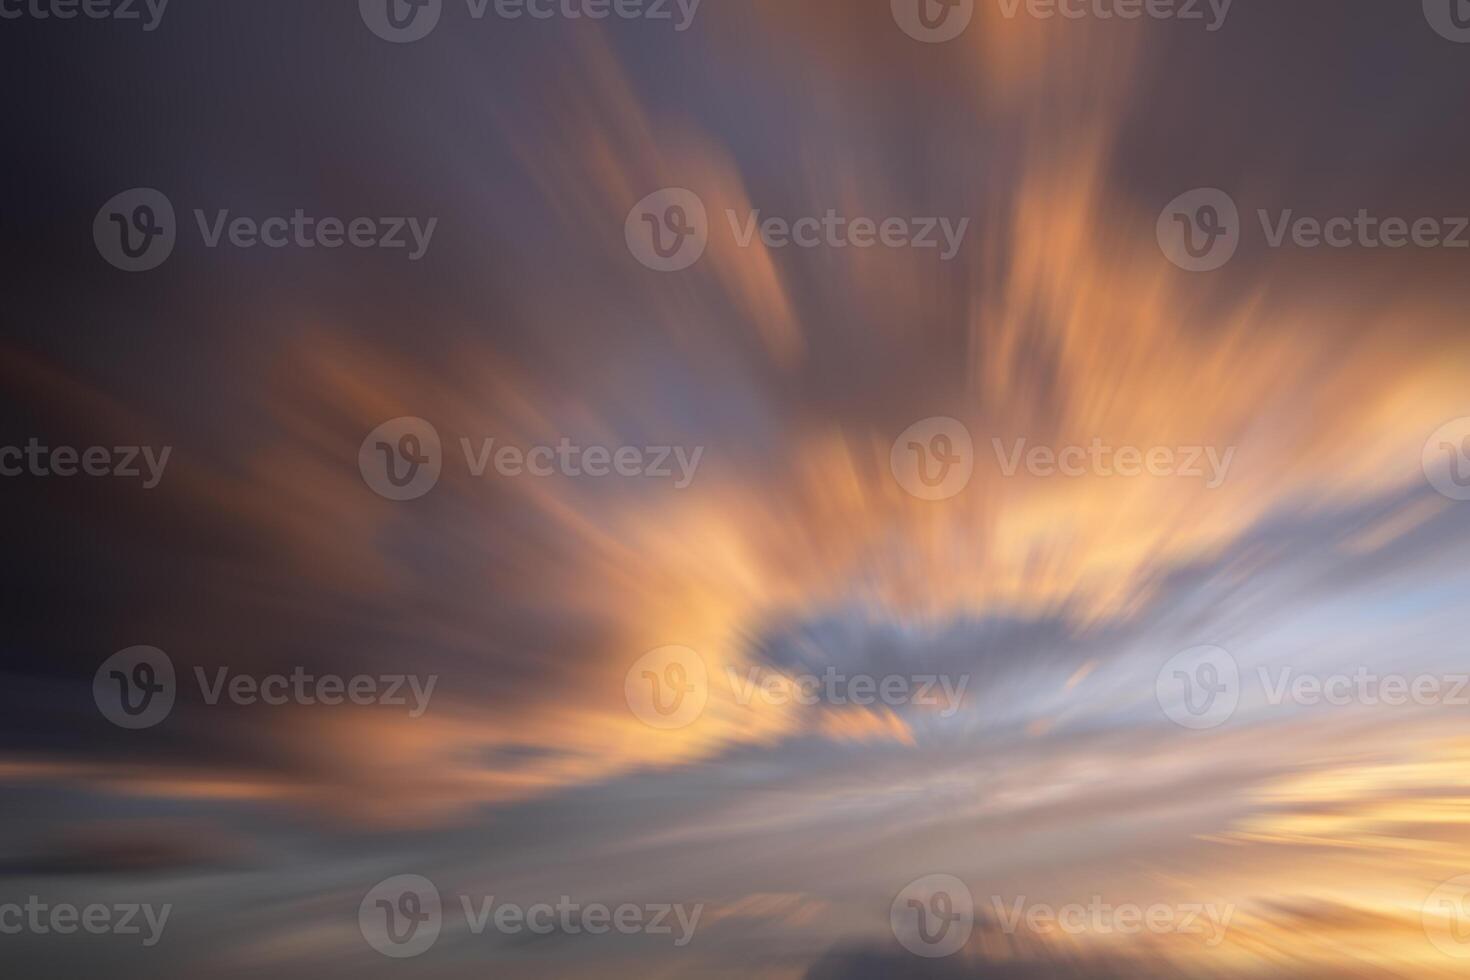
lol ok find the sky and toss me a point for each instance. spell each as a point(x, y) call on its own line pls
point(1142, 718)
